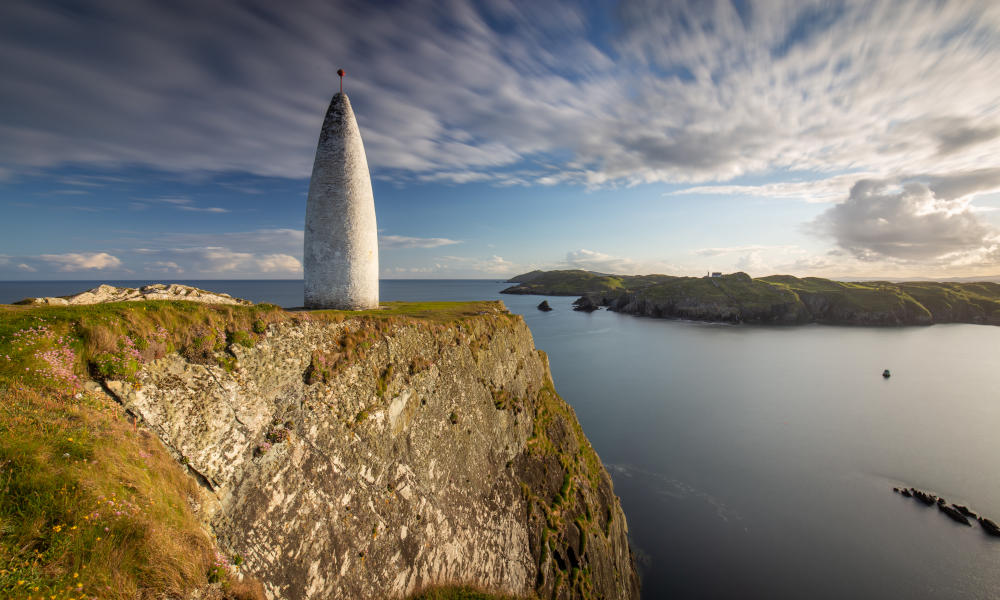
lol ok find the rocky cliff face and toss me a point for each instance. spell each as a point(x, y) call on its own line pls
point(372, 458)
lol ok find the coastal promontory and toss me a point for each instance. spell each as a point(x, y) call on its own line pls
point(190, 450)
point(777, 299)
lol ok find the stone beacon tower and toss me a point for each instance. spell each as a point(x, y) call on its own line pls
point(341, 237)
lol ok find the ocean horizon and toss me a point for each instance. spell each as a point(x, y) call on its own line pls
point(287, 293)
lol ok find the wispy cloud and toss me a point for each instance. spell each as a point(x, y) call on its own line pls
point(830, 189)
point(451, 266)
point(178, 202)
point(719, 251)
point(262, 253)
point(401, 241)
point(591, 260)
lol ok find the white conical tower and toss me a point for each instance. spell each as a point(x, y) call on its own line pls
point(341, 237)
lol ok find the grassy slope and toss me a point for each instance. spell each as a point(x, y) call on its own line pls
point(847, 297)
point(944, 302)
point(458, 593)
point(565, 283)
point(90, 505)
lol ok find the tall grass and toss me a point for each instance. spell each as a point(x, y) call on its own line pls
point(89, 505)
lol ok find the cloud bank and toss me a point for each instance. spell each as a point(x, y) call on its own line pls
point(262, 253)
point(508, 92)
point(912, 222)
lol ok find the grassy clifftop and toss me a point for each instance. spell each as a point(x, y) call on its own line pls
point(92, 506)
point(775, 299)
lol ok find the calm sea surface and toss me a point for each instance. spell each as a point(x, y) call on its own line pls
point(758, 462)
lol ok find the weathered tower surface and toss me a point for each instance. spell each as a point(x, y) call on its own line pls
point(341, 238)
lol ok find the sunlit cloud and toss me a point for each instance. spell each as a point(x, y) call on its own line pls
point(912, 222)
point(82, 261)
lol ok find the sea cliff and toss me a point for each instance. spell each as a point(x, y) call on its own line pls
point(777, 299)
point(358, 455)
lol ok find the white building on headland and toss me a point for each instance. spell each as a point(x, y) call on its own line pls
point(341, 236)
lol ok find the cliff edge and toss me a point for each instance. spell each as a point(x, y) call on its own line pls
point(369, 455)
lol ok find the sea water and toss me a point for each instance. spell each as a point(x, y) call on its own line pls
point(758, 462)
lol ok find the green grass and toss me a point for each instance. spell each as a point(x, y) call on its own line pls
point(113, 340)
point(567, 283)
point(460, 593)
point(89, 505)
point(426, 311)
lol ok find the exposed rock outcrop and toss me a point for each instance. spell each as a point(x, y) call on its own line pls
point(956, 512)
point(157, 291)
point(374, 457)
point(544, 306)
point(989, 526)
point(585, 304)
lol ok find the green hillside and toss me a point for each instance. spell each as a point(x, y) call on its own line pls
point(737, 297)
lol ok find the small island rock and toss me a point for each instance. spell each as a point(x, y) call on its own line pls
point(584, 304)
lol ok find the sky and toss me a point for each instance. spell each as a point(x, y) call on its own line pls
point(146, 139)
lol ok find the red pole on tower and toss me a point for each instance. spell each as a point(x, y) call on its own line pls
point(341, 73)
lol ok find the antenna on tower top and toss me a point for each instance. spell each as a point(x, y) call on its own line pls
point(341, 73)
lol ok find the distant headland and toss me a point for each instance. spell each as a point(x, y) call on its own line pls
point(776, 299)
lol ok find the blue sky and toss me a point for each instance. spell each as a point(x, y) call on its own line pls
point(144, 140)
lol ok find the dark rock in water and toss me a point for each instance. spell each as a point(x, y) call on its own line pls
point(584, 304)
point(544, 306)
point(954, 515)
point(928, 499)
point(989, 526)
point(955, 512)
